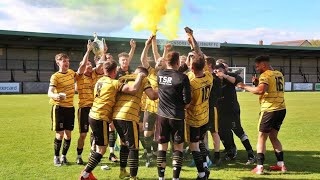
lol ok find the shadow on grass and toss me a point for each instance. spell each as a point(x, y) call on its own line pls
point(297, 162)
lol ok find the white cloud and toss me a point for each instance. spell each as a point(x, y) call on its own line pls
point(51, 16)
point(24, 16)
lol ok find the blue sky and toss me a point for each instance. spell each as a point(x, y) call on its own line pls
point(234, 21)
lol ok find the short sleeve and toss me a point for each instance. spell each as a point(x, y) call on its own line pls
point(238, 79)
point(78, 76)
point(118, 85)
point(54, 80)
point(146, 84)
point(264, 79)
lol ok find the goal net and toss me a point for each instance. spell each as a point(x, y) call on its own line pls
point(241, 71)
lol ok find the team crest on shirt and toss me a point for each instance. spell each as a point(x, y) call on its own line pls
point(164, 80)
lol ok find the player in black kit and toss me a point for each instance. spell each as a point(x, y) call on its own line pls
point(174, 95)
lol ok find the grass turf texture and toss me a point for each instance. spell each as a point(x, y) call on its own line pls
point(27, 143)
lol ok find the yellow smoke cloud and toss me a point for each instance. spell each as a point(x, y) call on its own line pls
point(153, 15)
point(157, 15)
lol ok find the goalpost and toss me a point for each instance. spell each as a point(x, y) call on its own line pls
point(241, 71)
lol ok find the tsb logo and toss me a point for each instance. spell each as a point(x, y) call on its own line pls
point(164, 80)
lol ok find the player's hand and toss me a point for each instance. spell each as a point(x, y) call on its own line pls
point(168, 46)
point(149, 40)
point(132, 43)
point(105, 48)
point(240, 85)
point(89, 46)
point(142, 75)
point(254, 78)
point(56, 97)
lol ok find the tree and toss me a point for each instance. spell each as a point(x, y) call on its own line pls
point(315, 43)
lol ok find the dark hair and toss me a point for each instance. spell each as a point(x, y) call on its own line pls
point(143, 70)
point(220, 65)
point(172, 58)
point(262, 58)
point(198, 64)
point(110, 66)
point(210, 61)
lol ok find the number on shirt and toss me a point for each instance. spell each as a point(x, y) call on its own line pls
point(99, 86)
point(205, 93)
point(279, 83)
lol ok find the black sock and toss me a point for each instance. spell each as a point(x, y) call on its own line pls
point(216, 155)
point(198, 160)
point(260, 158)
point(91, 138)
point(161, 160)
point(148, 143)
point(66, 145)
point(154, 146)
point(177, 163)
point(112, 138)
point(57, 146)
point(203, 151)
point(247, 145)
point(141, 138)
point(124, 152)
point(279, 155)
point(133, 162)
point(79, 151)
point(92, 152)
point(93, 162)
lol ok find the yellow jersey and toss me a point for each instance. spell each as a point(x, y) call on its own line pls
point(64, 83)
point(105, 93)
point(85, 88)
point(273, 98)
point(197, 113)
point(143, 102)
point(127, 106)
point(152, 105)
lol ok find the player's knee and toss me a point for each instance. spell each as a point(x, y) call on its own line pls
point(178, 147)
point(273, 138)
point(59, 135)
point(101, 150)
point(148, 133)
point(194, 146)
point(83, 136)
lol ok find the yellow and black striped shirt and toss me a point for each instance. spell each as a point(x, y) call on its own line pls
point(105, 93)
point(197, 113)
point(85, 88)
point(143, 102)
point(273, 98)
point(64, 83)
point(128, 105)
point(152, 105)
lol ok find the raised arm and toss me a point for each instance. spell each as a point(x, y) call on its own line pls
point(85, 59)
point(99, 66)
point(156, 54)
point(133, 48)
point(193, 43)
point(186, 90)
point(166, 50)
point(132, 89)
point(144, 55)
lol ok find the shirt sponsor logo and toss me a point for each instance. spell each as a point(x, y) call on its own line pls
point(164, 80)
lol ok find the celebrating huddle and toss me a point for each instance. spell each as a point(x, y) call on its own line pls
point(160, 102)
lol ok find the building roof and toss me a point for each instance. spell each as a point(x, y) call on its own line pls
point(292, 43)
point(77, 42)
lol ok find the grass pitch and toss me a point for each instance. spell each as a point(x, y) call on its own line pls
point(26, 142)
